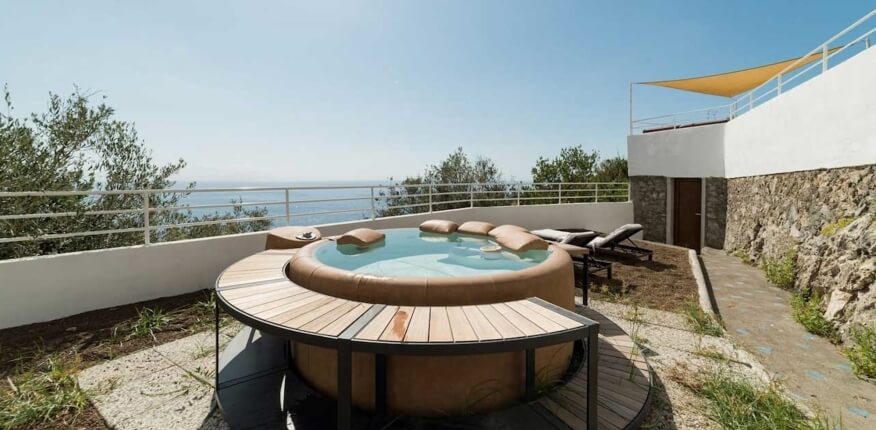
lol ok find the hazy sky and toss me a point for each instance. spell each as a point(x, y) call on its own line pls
point(292, 91)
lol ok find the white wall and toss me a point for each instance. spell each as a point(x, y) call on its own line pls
point(38, 289)
point(826, 122)
point(694, 152)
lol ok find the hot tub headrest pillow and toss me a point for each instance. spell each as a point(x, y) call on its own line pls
point(439, 226)
point(521, 241)
point(476, 227)
point(506, 228)
point(361, 237)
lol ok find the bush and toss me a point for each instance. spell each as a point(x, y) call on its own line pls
point(807, 312)
point(735, 403)
point(862, 352)
point(780, 272)
point(830, 229)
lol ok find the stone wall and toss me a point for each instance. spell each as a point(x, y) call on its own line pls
point(648, 194)
point(828, 217)
point(716, 212)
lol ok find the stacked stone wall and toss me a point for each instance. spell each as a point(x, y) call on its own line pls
point(827, 217)
point(648, 194)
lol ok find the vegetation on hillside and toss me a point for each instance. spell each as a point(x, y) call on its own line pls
point(781, 271)
point(484, 184)
point(861, 350)
point(78, 145)
point(806, 310)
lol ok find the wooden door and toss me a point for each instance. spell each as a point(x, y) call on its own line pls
point(687, 198)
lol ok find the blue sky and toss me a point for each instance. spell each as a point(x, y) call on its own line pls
point(292, 91)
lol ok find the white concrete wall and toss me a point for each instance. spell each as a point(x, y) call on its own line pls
point(695, 152)
point(41, 289)
point(826, 122)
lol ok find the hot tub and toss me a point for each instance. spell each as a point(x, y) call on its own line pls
point(411, 268)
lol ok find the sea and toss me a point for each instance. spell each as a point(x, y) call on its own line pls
point(302, 212)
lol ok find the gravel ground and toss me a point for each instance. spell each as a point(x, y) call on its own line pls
point(675, 352)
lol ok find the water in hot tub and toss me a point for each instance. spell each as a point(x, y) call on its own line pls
point(409, 252)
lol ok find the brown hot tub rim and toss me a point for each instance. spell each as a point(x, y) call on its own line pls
point(551, 280)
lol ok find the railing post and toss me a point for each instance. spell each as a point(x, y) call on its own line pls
point(560, 193)
point(288, 214)
point(471, 195)
point(519, 190)
point(823, 58)
point(597, 193)
point(146, 229)
point(750, 99)
point(430, 197)
point(629, 195)
point(373, 212)
point(867, 43)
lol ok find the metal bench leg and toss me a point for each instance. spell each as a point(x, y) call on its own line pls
point(586, 298)
point(592, 386)
point(530, 375)
point(345, 385)
point(380, 385)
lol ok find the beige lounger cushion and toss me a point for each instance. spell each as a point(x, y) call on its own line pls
point(361, 237)
point(506, 228)
point(476, 227)
point(439, 226)
point(521, 241)
point(574, 251)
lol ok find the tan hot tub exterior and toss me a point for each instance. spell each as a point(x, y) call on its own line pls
point(437, 385)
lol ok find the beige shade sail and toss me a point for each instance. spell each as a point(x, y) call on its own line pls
point(730, 84)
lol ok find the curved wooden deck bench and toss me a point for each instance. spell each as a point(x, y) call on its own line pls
point(257, 292)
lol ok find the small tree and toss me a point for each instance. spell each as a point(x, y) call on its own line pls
point(79, 146)
point(575, 165)
point(411, 195)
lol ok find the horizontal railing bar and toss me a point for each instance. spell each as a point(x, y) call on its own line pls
point(66, 214)
point(330, 212)
point(340, 199)
point(68, 235)
point(214, 221)
point(216, 206)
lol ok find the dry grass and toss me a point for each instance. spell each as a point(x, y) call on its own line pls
point(667, 283)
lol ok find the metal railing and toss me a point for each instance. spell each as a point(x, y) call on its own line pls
point(775, 86)
point(283, 208)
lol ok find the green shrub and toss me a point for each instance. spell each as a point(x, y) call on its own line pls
point(701, 322)
point(780, 272)
point(742, 255)
point(862, 350)
point(49, 392)
point(807, 312)
point(735, 403)
point(829, 230)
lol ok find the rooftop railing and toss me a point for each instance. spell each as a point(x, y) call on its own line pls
point(143, 212)
point(856, 36)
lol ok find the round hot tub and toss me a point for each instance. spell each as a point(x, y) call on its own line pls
point(412, 268)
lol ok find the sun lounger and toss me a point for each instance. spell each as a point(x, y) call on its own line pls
point(612, 242)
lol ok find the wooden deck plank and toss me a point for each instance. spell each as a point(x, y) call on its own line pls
point(323, 320)
point(230, 280)
point(538, 319)
point(294, 303)
point(439, 325)
point(398, 325)
point(257, 308)
point(306, 305)
point(249, 302)
point(570, 419)
point(339, 325)
point(556, 317)
point(482, 327)
point(418, 329)
point(525, 326)
point(374, 329)
point(236, 293)
point(502, 325)
point(310, 313)
point(460, 326)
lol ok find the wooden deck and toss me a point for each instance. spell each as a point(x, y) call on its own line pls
point(624, 383)
point(256, 287)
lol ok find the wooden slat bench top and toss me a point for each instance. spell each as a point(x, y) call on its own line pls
point(257, 286)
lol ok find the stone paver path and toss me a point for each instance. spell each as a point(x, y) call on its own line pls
point(758, 316)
